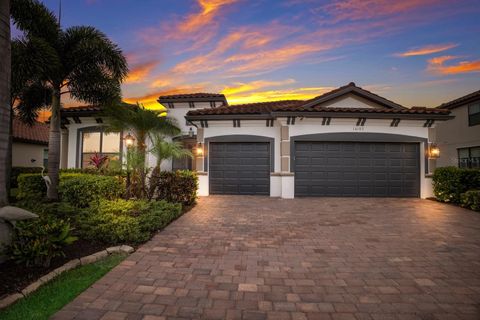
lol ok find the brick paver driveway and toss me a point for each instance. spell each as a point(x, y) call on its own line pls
point(235, 257)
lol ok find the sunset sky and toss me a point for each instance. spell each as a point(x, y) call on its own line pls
point(417, 53)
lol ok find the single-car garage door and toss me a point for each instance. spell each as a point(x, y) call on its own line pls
point(239, 168)
point(357, 169)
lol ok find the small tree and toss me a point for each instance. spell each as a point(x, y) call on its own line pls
point(163, 150)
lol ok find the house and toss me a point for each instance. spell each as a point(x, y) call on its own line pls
point(459, 138)
point(29, 144)
point(347, 142)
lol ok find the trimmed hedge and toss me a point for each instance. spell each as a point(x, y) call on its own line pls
point(16, 171)
point(177, 187)
point(471, 200)
point(126, 221)
point(449, 183)
point(76, 188)
point(81, 189)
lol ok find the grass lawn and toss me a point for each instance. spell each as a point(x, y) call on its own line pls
point(51, 297)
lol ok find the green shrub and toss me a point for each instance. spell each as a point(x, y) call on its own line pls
point(159, 215)
point(58, 209)
point(81, 189)
point(31, 187)
point(126, 221)
point(16, 171)
point(35, 242)
point(450, 182)
point(176, 187)
point(471, 200)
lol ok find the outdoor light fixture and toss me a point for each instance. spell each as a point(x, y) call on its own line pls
point(190, 133)
point(129, 140)
point(199, 149)
point(434, 151)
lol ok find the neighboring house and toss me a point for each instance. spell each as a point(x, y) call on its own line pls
point(30, 144)
point(348, 142)
point(459, 138)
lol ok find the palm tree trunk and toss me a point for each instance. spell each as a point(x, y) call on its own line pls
point(54, 146)
point(5, 68)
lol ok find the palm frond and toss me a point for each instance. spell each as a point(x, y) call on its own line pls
point(35, 19)
point(163, 149)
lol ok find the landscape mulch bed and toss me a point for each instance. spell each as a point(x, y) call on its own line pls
point(15, 277)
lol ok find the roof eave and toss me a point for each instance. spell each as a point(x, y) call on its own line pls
point(193, 99)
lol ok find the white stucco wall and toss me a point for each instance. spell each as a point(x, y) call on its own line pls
point(24, 153)
point(283, 185)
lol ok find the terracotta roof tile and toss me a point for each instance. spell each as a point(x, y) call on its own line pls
point(81, 108)
point(250, 108)
point(37, 133)
point(193, 95)
point(460, 101)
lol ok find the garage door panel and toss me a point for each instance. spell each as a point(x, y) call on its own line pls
point(357, 169)
point(239, 168)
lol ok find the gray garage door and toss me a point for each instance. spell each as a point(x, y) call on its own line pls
point(239, 168)
point(357, 169)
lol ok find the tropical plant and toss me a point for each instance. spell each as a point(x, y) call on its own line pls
point(143, 123)
point(163, 149)
point(36, 242)
point(5, 118)
point(80, 62)
point(98, 161)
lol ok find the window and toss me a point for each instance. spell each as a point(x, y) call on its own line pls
point(185, 163)
point(474, 114)
point(469, 157)
point(102, 143)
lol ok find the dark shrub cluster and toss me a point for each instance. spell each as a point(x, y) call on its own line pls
point(450, 184)
point(177, 187)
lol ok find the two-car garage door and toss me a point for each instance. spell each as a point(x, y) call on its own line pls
point(357, 169)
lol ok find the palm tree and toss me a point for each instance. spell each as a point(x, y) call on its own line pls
point(5, 121)
point(81, 62)
point(142, 123)
point(163, 150)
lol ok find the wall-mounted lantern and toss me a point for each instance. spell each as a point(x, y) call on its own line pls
point(433, 151)
point(199, 149)
point(190, 133)
point(129, 140)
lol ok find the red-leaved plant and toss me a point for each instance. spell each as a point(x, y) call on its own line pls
point(98, 161)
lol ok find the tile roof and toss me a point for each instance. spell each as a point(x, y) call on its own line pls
point(193, 95)
point(460, 101)
point(249, 108)
point(37, 133)
point(81, 108)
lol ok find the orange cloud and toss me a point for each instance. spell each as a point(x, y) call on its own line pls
point(273, 95)
point(437, 65)
point(209, 10)
point(371, 9)
point(140, 72)
point(271, 59)
point(149, 100)
point(427, 50)
point(254, 85)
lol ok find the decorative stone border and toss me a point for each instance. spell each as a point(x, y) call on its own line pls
point(10, 299)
